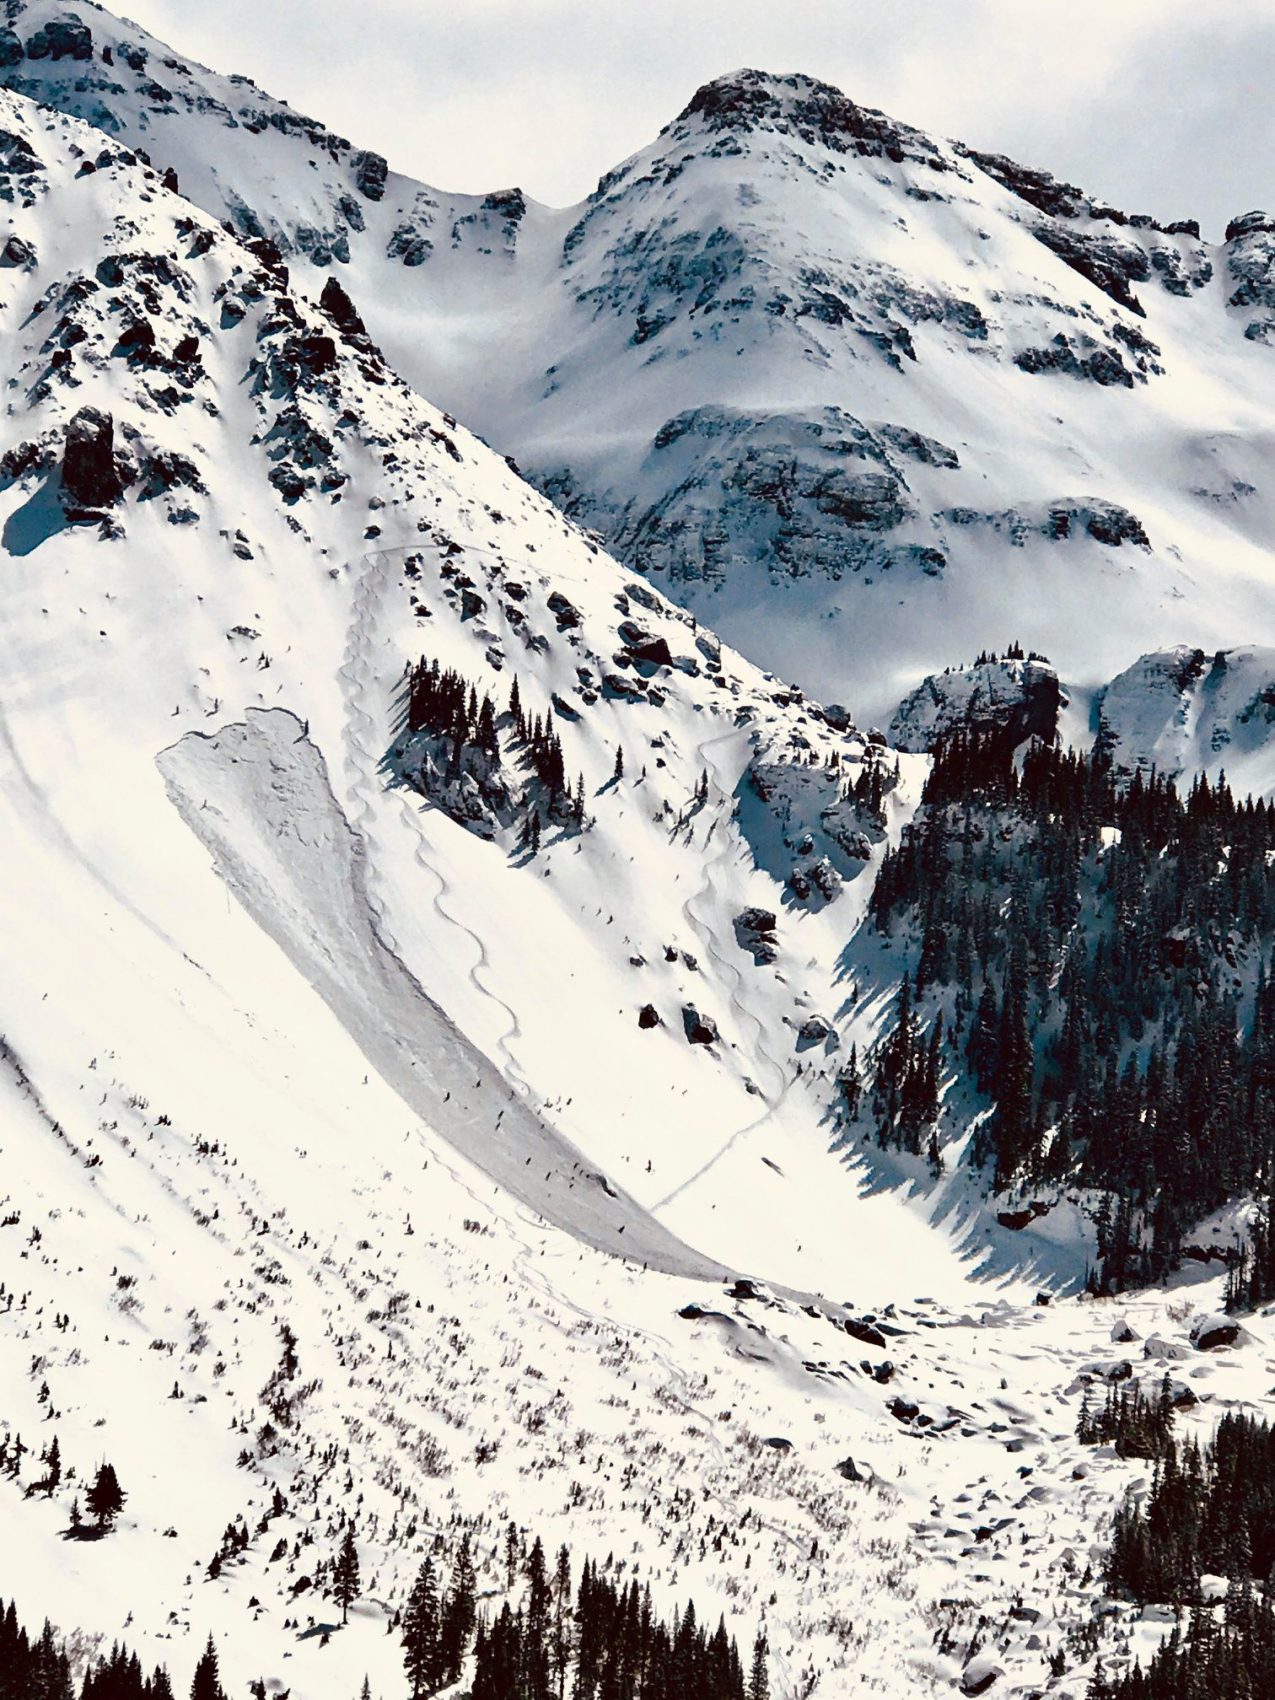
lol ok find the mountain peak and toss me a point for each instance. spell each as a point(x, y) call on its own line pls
point(818, 113)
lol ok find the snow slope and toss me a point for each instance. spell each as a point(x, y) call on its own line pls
point(795, 355)
point(247, 974)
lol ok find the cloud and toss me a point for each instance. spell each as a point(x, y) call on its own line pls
point(1154, 104)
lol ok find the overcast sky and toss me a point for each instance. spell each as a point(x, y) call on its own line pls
point(1162, 106)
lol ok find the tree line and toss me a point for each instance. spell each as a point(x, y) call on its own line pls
point(1209, 1511)
point(1100, 949)
point(599, 1639)
point(446, 708)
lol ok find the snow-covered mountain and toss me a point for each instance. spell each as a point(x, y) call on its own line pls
point(794, 355)
point(423, 1125)
point(1184, 712)
point(308, 1085)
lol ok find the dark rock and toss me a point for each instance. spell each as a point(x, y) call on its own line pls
point(817, 113)
point(649, 1016)
point(755, 933)
point(851, 1472)
point(1213, 1331)
point(62, 38)
point(509, 204)
point(341, 310)
point(566, 614)
point(370, 173)
point(814, 1030)
point(979, 1674)
point(1015, 1219)
point(1249, 224)
point(137, 338)
point(16, 252)
point(700, 1029)
point(1110, 264)
point(778, 1443)
point(1227, 1254)
point(89, 476)
point(23, 458)
point(1093, 362)
point(11, 49)
point(864, 1332)
point(165, 470)
point(17, 157)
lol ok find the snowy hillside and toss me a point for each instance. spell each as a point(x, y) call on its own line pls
point(235, 1032)
point(794, 353)
point(438, 965)
point(1182, 712)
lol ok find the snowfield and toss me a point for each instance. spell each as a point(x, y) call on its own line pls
point(337, 1156)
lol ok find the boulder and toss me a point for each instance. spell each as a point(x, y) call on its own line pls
point(1210, 1332)
point(1172, 1351)
point(865, 1332)
point(649, 1016)
point(755, 933)
point(980, 1673)
point(700, 1029)
point(815, 1030)
point(16, 252)
point(644, 646)
point(89, 477)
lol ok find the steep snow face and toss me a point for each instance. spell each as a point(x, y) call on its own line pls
point(794, 357)
point(263, 1227)
point(1184, 712)
point(211, 460)
point(279, 1035)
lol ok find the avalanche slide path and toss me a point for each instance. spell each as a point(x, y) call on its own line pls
point(257, 795)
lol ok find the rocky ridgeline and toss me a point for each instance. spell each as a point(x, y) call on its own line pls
point(1015, 694)
point(1183, 710)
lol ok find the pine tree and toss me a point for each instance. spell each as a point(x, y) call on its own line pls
point(207, 1683)
point(345, 1574)
point(105, 1499)
point(759, 1677)
point(618, 771)
point(420, 1632)
point(457, 1615)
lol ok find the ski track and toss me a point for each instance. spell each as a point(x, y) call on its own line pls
point(363, 760)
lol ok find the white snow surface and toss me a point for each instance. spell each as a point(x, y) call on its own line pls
point(246, 977)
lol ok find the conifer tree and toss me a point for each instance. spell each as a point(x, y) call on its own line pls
point(207, 1681)
point(105, 1499)
point(345, 1573)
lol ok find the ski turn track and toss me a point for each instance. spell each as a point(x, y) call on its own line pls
point(363, 760)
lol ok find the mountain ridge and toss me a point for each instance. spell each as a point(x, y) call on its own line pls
point(838, 292)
